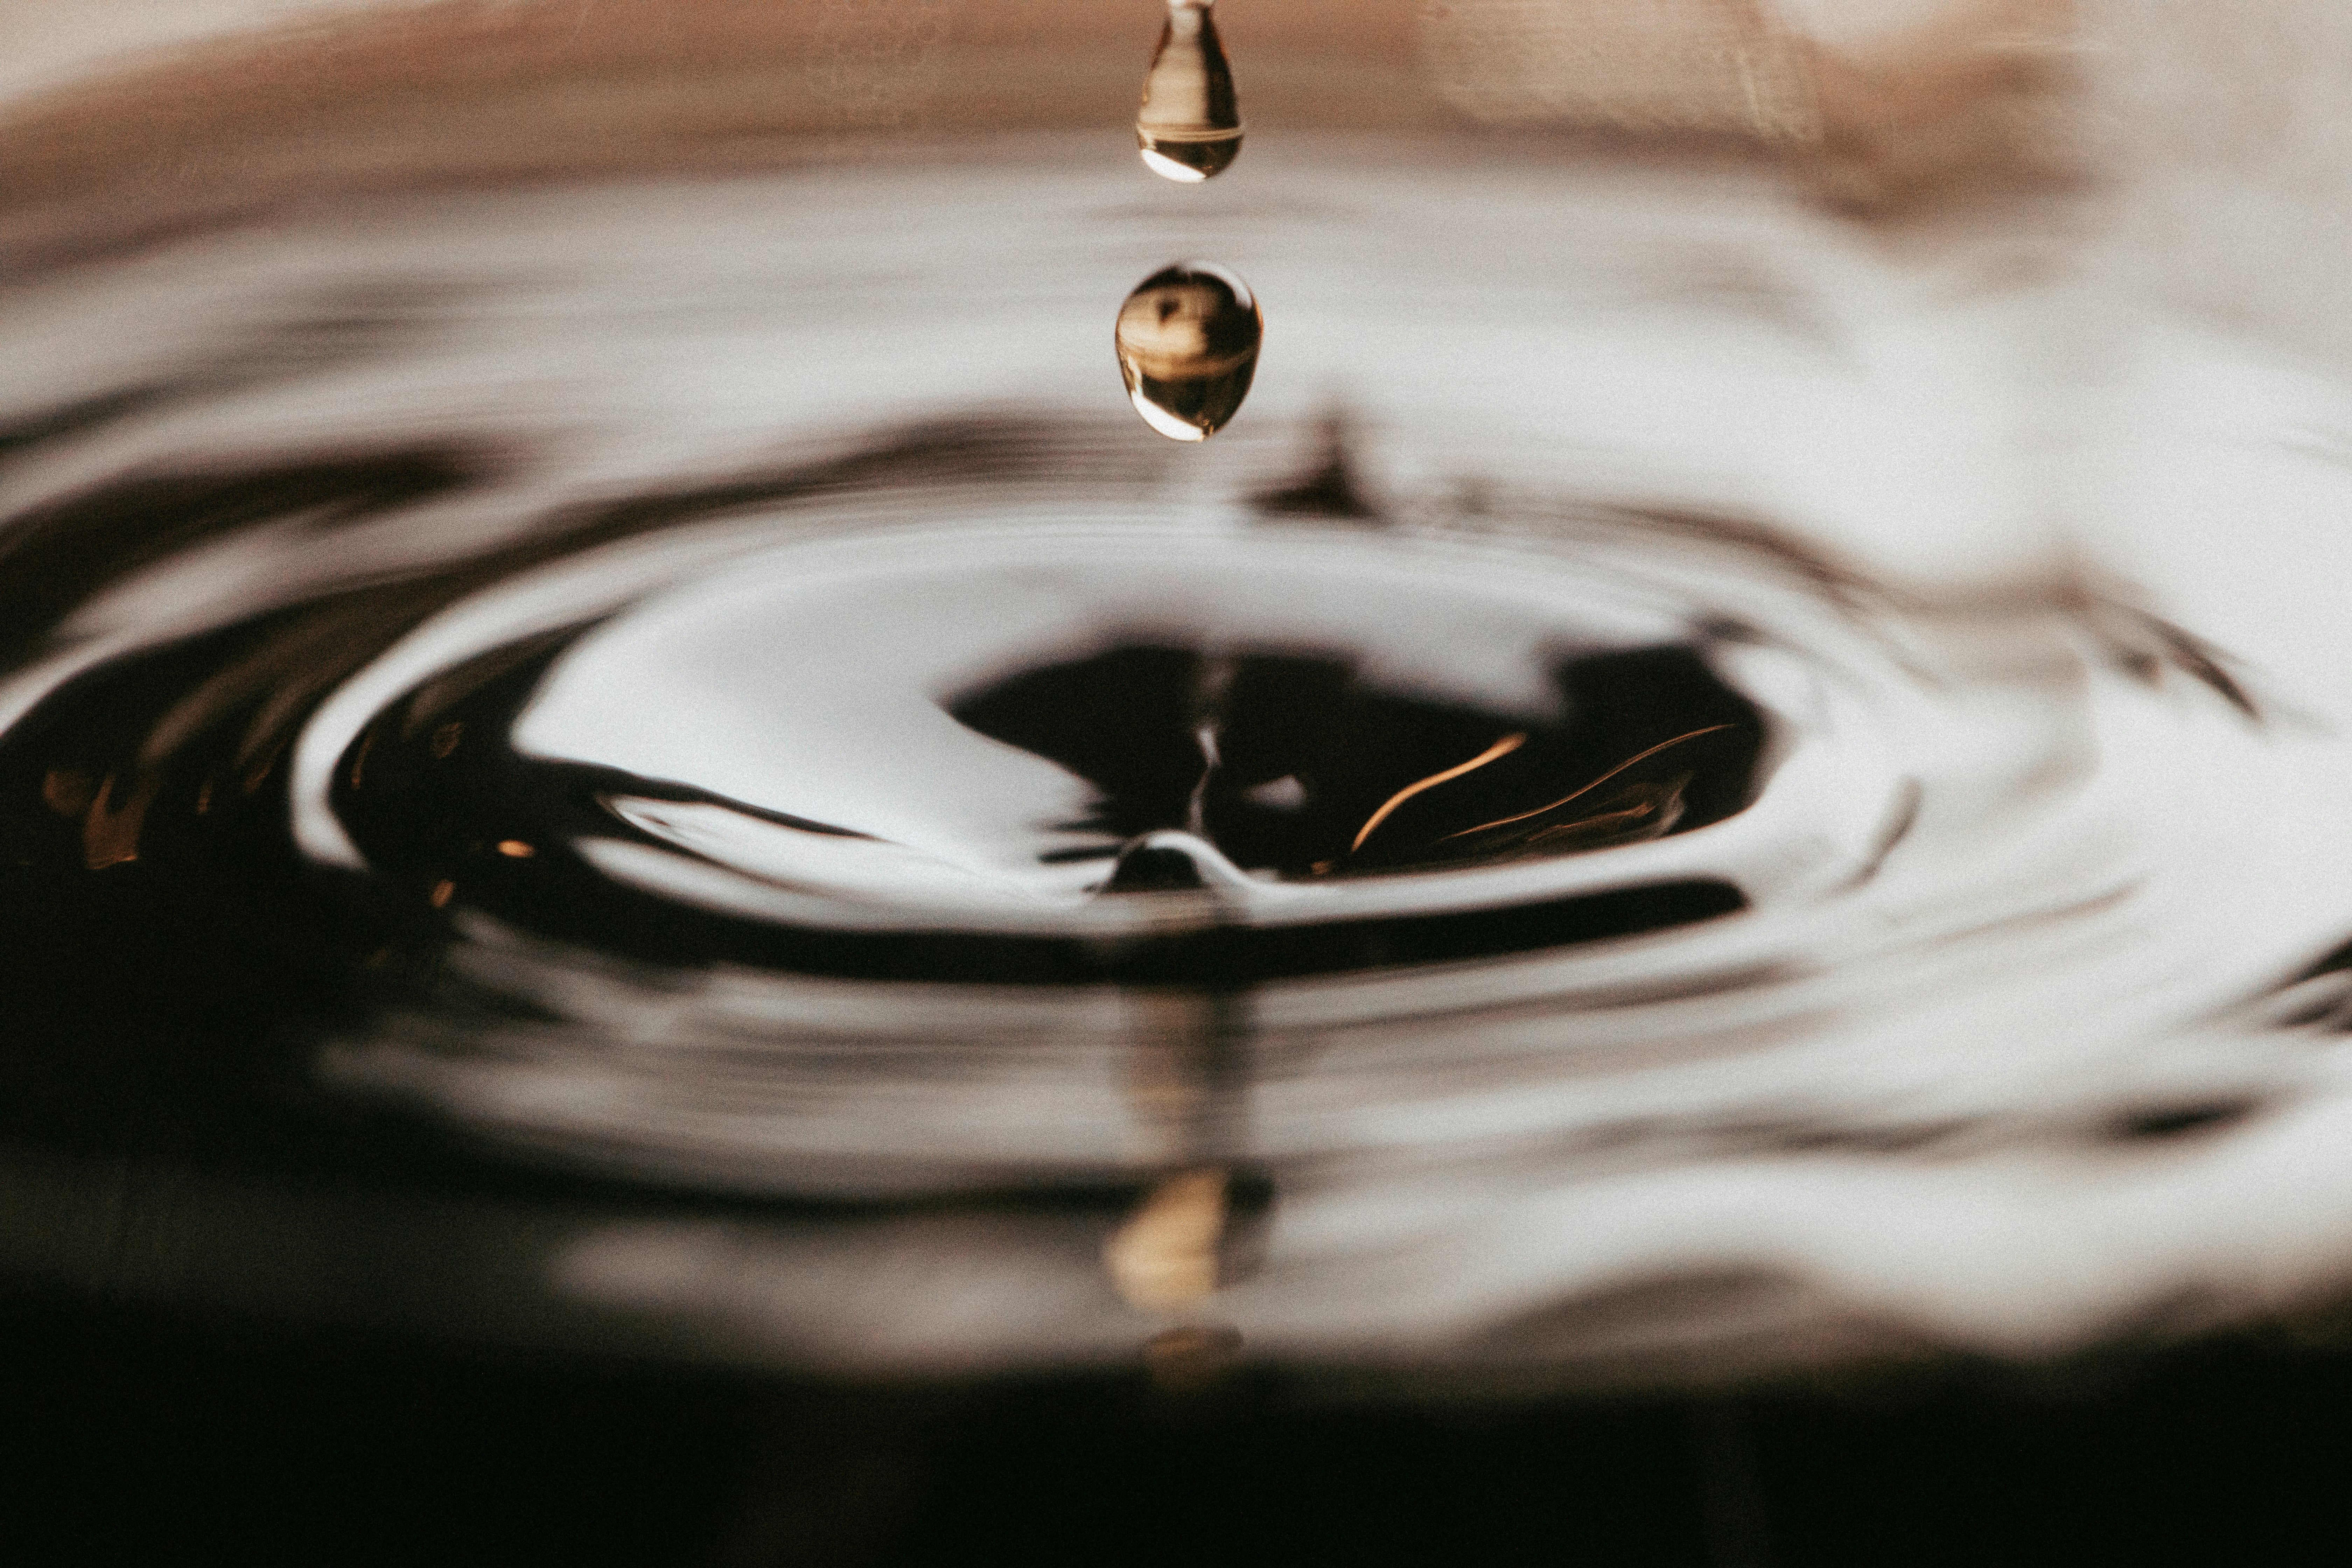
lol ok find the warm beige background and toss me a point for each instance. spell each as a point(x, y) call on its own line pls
point(2221, 128)
point(152, 111)
point(46, 42)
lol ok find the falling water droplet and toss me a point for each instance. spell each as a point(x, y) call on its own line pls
point(1189, 127)
point(1188, 341)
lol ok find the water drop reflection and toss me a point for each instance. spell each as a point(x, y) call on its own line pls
point(1188, 343)
point(1188, 126)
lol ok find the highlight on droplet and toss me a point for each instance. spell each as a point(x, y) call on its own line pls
point(1188, 343)
point(1189, 125)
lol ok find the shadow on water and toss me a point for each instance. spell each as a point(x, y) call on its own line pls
point(220, 1435)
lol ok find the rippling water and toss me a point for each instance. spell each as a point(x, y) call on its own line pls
point(678, 752)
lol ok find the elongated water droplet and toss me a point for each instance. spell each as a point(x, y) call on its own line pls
point(1189, 127)
point(1188, 339)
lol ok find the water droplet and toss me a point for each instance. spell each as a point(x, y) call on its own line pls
point(1188, 341)
point(1189, 127)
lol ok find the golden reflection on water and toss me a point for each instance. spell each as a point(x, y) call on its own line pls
point(1503, 747)
point(1588, 789)
point(1166, 1253)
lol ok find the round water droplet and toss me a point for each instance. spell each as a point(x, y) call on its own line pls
point(1189, 127)
point(1188, 339)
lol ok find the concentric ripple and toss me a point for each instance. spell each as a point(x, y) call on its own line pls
point(843, 888)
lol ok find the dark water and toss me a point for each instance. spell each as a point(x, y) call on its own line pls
point(584, 767)
point(643, 843)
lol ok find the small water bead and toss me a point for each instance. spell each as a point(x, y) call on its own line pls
point(1188, 343)
point(1188, 126)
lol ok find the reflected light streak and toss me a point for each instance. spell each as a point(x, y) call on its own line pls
point(1501, 748)
point(1596, 784)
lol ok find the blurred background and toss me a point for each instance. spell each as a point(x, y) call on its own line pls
point(1963, 380)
